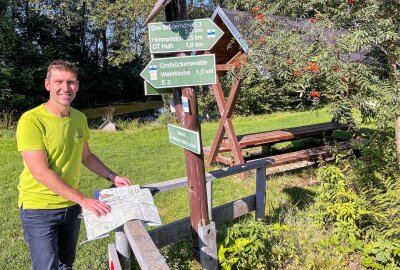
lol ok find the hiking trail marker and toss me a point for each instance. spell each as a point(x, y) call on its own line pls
point(183, 36)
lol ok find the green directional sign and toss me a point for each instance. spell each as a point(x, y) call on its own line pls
point(185, 138)
point(149, 90)
point(181, 36)
point(181, 71)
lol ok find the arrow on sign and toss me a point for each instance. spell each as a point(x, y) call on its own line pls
point(180, 71)
point(183, 36)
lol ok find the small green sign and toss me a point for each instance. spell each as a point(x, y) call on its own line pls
point(181, 71)
point(185, 138)
point(149, 90)
point(182, 36)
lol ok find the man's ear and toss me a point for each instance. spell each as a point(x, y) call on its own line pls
point(46, 84)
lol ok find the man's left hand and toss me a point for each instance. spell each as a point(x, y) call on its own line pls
point(120, 181)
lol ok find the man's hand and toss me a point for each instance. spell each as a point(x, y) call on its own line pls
point(97, 207)
point(120, 181)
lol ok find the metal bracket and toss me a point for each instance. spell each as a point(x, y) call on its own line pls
point(208, 246)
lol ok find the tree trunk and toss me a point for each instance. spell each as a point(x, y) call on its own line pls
point(96, 51)
point(105, 51)
point(397, 136)
point(394, 77)
point(83, 28)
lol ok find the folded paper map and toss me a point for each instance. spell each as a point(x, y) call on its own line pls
point(126, 203)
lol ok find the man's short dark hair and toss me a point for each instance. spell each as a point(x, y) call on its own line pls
point(61, 65)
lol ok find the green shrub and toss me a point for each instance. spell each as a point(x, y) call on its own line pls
point(255, 245)
point(337, 205)
point(364, 222)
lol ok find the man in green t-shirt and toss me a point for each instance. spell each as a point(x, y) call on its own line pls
point(53, 141)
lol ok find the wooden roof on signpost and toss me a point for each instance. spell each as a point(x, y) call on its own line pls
point(232, 40)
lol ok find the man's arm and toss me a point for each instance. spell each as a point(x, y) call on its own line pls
point(38, 165)
point(93, 163)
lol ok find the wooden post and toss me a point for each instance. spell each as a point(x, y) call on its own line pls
point(174, 11)
point(260, 192)
point(123, 248)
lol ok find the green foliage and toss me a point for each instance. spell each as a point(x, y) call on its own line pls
point(96, 35)
point(337, 205)
point(376, 176)
point(122, 21)
point(325, 51)
point(359, 218)
point(381, 254)
point(254, 244)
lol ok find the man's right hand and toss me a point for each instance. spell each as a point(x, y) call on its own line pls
point(97, 207)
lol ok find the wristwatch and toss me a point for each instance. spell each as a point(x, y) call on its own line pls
point(111, 175)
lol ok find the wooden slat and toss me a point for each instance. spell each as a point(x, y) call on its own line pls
point(301, 155)
point(274, 136)
point(260, 192)
point(307, 154)
point(147, 254)
point(178, 230)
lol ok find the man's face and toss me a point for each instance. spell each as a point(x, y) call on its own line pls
point(62, 86)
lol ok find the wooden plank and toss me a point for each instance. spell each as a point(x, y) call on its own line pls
point(168, 185)
point(307, 154)
point(113, 261)
point(147, 254)
point(225, 160)
point(260, 192)
point(178, 230)
point(301, 155)
point(222, 67)
point(255, 139)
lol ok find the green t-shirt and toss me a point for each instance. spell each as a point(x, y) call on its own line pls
point(62, 139)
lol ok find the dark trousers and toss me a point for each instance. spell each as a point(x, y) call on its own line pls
point(52, 236)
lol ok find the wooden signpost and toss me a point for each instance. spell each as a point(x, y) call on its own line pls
point(180, 35)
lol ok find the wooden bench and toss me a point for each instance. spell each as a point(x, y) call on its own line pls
point(269, 138)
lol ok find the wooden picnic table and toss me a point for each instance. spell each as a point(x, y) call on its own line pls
point(268, 138)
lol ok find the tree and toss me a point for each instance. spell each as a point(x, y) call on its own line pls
point(34, 32)
point(344, 51)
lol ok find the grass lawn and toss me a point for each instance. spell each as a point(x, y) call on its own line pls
point(145, 156)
